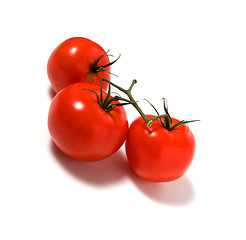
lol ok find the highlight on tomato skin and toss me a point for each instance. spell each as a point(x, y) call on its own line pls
point(72, 61)
point(79, 126)
point(156, 154)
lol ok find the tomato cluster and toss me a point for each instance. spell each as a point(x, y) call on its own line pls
point(87, 123)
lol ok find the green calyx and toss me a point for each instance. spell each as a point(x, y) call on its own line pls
point(167, 122)
point(96, 69)
point(108, 104)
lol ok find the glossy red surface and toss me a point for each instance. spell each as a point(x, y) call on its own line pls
point(156, 154)
point(71, 62)
point(81, 128)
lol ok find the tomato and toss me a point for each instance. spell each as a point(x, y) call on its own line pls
point(81, 128)
point(72, 61)
point(157, 154)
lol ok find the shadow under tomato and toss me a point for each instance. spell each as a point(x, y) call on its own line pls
point(179, 192)
point(101, 173)
point(51, 93)
point(115, 169)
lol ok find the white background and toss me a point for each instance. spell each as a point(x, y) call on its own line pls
point(191, 52)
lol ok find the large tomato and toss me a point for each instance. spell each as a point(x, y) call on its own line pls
point(81, 128)
point(73, 60)
point(157, 154)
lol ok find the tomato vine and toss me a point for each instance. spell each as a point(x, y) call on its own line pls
point(166, 123)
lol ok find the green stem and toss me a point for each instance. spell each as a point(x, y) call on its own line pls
point(167, 124)
point(132, 100)
point(117, 98)
point(107, 104)
point(95, 68)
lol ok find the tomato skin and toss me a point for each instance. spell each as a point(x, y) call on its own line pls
point(81, 128)
point(156, 154)
point(71, 62)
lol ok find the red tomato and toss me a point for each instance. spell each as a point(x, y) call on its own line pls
point(72, 61)
point(157, 154)
point(81, 128)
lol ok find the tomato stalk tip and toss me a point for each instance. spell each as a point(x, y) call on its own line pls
point(129, 94)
